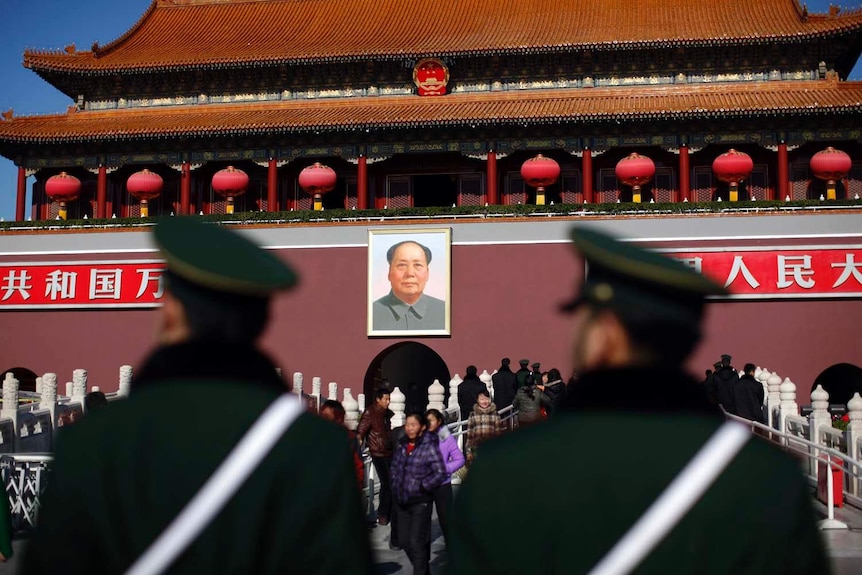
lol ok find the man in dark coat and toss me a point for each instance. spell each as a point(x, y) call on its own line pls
point(505, 385)
point(748, 396)
point(374, 430)
point(522, 373)
point(123, 474)
point(638, 318)
point(468, 391)
point(725, 379)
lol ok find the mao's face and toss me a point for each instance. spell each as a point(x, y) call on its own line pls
point(408, 272)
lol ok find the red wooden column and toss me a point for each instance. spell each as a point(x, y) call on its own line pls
point(492, 194)
point(783, 170)
point(21, 197)
point(684, 175)
point(185, 188)
point(362, 183)
point(587, 175)
point(272, 186)
point(102, 192)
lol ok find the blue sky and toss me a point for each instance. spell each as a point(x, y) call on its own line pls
point(53, 24)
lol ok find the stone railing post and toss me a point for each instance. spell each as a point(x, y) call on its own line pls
point(39, 385)
point(485, 378)
point(436, 395)
point(360, 399)
point(397, 403)
point(761, 375)
point(773, 398)
point(49, 397)
point(351, 410)
point(316, 393)
point(79, 386)
point(853, 434)
point(125, 380)
point(333, 391)
point(10, 403)
point(819, 417)
point(788, 404)
point(69, 388)
point(297, 383)
point(453, 393)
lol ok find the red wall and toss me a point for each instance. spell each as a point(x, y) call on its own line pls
point(504, 303)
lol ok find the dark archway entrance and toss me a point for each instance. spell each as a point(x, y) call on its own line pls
point(409, 366)
point(841, 381)
point(26, 378)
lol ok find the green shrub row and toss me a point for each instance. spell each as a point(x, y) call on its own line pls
point(520, 210)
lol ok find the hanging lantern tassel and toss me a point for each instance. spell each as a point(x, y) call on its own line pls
point(318, 202)
point(734, 191)
point(145, 208)
point(62, 212)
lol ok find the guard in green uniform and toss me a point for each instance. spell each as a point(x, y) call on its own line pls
point(576, 485)
point(122, 475)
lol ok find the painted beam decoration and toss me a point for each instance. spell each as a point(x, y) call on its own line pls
point(81, 285)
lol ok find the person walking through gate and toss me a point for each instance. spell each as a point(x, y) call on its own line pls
point(417, 471)
point(453, 459)
point(127, 472)
point(374, 429)
point(637, 319)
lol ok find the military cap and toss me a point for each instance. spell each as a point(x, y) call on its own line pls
point(635, 282)
point(725, 357)
point(536, 366)
point(218, 259)
point(524, 362)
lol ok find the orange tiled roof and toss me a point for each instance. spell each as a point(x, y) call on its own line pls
point(680, 102)
point(202, 33)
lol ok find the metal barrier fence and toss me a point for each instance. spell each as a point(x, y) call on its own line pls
point(815, 456)
point(25, 476)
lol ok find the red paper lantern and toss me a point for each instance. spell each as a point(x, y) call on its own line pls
point(317, 179)
point(63, 187)
point(732, 166)
point(540, 172)
point(230, 182)
point(145, 185)
point(830, 164)
point(635, 170)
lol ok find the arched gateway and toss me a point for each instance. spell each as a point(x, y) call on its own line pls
point(410, 366)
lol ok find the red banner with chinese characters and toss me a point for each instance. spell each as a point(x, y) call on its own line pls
point(752, 273)
point(80, 285)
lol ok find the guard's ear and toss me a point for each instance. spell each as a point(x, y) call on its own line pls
point(173, 326)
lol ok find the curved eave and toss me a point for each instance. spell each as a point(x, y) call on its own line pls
point(85, 64)
point(507, 109)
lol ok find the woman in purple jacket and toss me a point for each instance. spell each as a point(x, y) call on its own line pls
point(453, 459)
point(417, 470)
